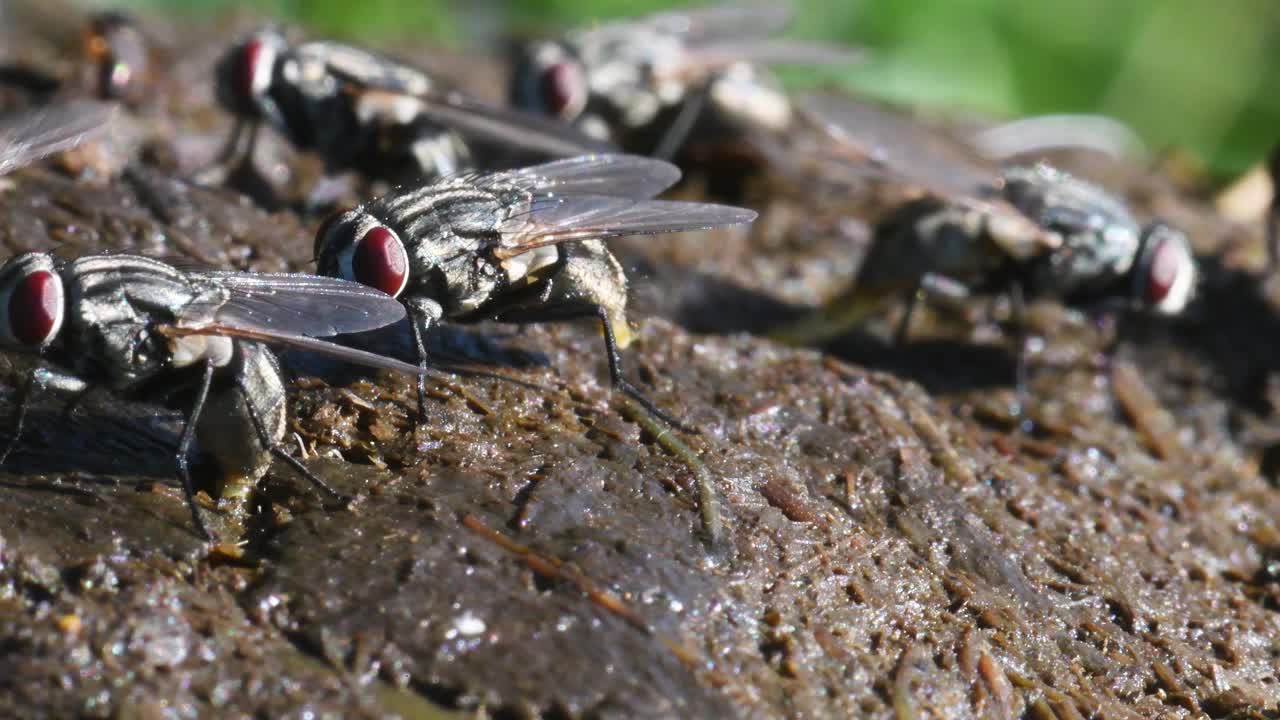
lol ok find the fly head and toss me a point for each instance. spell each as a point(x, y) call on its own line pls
point(244, 73)
point(34, 302)
point(551, 79)
point(354, 245)
point(118, 53)
point(1164, 277)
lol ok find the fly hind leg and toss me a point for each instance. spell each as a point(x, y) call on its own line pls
point(590, 284)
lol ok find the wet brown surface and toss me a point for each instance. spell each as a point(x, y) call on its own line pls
point(895, 544)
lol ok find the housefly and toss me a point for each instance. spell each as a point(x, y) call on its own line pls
point(519, 246)
point(191, 339)
point(1019, 229)
point(645, 82)
point(361, 111)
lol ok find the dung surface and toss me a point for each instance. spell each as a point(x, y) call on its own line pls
point(896, 542)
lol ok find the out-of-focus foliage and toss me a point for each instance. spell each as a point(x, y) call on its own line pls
point(1196, 75)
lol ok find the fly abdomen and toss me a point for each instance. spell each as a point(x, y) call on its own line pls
point(246, 395)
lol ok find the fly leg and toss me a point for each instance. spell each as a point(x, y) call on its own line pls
point(218, 169)
point(676, 133)
point(273, 447)
point(904, 324)
point(38, 380)
point(184, 446)
point(24, 401)
point(565, 312)
point(928, 285)
point(1018, 315)
point(423, 314)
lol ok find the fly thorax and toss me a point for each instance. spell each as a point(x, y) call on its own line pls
point(1090, 260)
point(112, 303)
point(462, 281)
point(633, 73)
point(311, 75)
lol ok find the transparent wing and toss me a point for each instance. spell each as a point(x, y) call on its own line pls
point(533, 132)
point(770, 52)
point(555, 219)
point(30, 135)
point(300, 342)
point(896, 147)
point(1043, 133)
point(618, 176)
point(289, 305)
point(902, 146)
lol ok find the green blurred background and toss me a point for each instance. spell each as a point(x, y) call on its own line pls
point(1192, 74)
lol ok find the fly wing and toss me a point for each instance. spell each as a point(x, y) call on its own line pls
point(618, 176)
point(1044, 133)
point(288, 306)
point(781, 51)
point(299, 342)
point(515, 128)
point(30, 135)
point(553, 219)
point(904, 148)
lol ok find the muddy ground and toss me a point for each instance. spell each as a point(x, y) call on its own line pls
point(895, 542)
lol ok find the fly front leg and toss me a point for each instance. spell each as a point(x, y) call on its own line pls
point(423, 315)
point(1018, 315)
point(220, 168)
point(39, 379)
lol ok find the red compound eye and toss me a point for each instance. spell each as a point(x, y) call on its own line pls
point(1165, 264)
point(35, 308)
point(380, 261)
point(250, 56)
point(559, 87)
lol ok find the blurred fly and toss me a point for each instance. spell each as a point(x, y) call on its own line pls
point(1018, 229)
point(190, 339)
point(647, 82)
point(118, 55)
point(520, 246)
point(361, 111)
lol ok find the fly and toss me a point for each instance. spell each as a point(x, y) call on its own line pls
point(361, 111)
point(1020, 228)
point(520, 246)
point(192, 339)
point(118, 56)
point(646, 82)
